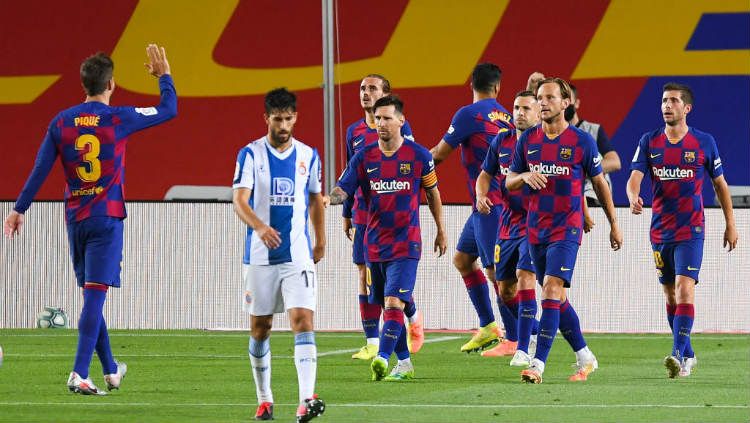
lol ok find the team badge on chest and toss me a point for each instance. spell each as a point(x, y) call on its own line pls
point(689, 156)
point(566, 153)
point(404, 168)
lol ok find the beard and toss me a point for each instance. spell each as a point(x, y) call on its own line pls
point(280, 138)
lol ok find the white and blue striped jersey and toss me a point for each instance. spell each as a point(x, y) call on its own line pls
point(281, 184)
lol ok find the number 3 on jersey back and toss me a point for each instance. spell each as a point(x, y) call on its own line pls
point(93, 172)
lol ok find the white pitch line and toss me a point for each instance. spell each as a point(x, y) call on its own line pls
point(199, 356)
point(360, 405)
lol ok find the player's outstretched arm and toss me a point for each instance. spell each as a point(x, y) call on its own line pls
point(12, 224)
point(157, 61)
point(268, 235)
point(436, 208)
point(317, 217)
point(725, 199)
point(634, 192)
point(484, 204)
point(441, 151)
point(601, 188)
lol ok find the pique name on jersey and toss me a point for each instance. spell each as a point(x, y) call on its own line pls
point(87, 120)
point(550, 169)
point(671, 173)
point(386, 187)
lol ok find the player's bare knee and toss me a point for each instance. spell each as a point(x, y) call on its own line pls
point(464, 263)
point(553, 288)
point(685, 290)
point(669, 293)
point(526, 280)
point(301, 320)
point(508, 289)
point(260, 326)
point(394, 302)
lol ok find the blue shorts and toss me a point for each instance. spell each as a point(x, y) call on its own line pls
point(511, 255)
point(556, 258)
point(678, 258)
point(96, 250)
point(358, 245)
point(391, 279)
point(479, 234)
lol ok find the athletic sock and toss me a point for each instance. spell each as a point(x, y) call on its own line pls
point(104, 351)
point(88, 326)
point(509, 316)
point(570, 326)
point(410, 310)
point(370, 314)
point(670, 318)
point(402, 348)
point(479, 293)
point(526, 317)
point(393, 325)
point(548, 325)
point(260, 362)
point(683, 325)
point(305, 359)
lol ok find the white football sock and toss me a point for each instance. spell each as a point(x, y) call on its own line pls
point(305, 359)
point(260, 362)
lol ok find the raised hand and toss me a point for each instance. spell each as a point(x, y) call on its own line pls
point(157, 61)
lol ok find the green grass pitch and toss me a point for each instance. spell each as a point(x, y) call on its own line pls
point(199, 376)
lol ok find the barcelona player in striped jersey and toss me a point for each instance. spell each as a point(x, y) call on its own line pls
point(554, 159)
point(391, 175)
point(513, 268)
point(472, 129)
point(90, 139)
point(677, 157)
point(359, 135)
point(277, 189)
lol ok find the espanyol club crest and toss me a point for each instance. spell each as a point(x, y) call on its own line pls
point(405, 168)
point(302, 169)
point(566, 153)
point(689, 156)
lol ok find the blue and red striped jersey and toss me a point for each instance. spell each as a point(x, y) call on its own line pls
point(390, 186)
point(555, 213)
point(90, 139)
point(358, 136)
point(473, 128)
point(677, 169)
point(497, 163)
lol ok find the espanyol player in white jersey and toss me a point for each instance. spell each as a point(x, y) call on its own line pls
point(277, 185)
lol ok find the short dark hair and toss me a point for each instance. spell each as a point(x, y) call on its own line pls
point(525, 93)
point(685, 92)
point(564, 86)
point(384, 80)
point(96, 71)
point(280, 100)
point(484, 76)
point(390, 100)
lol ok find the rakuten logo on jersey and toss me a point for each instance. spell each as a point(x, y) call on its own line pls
point(387, 187)
point(550, 169)
point(672, 173)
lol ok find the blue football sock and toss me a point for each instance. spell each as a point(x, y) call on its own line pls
point(670, 318)
point(548, 325)
point(104, 351)
point(683, 325)
point(393, 325)
point(570, 326)
point(510, 321)
point(479, 293)
point(88, 327)
point(410, 308)
point(402, 348)
point(370, 314)
point(526, 318)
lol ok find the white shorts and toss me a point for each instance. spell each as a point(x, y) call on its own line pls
point(274, 288)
